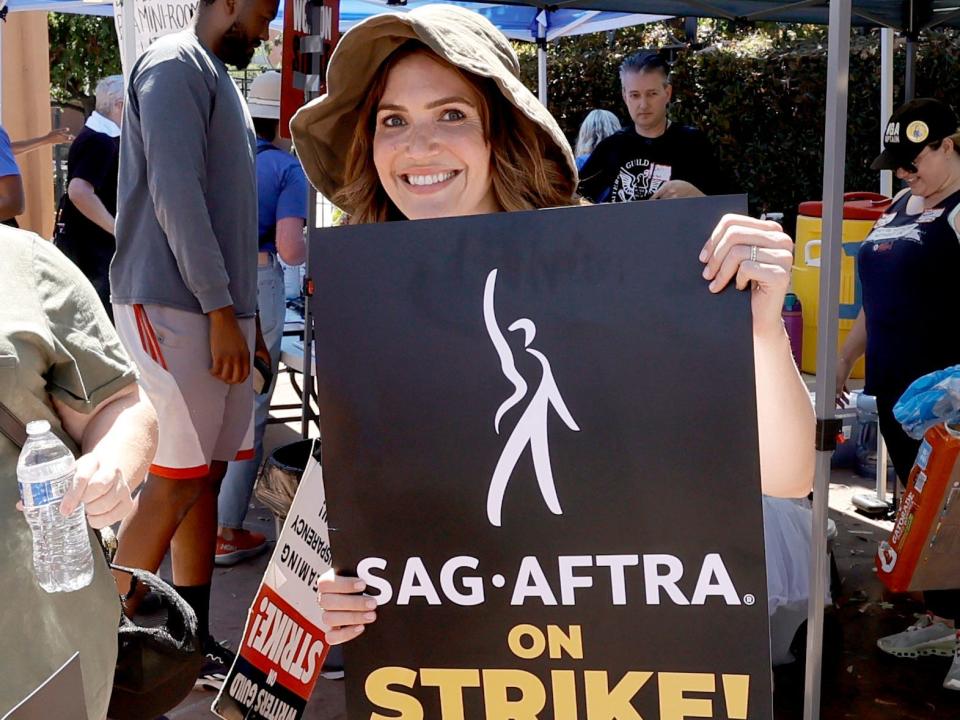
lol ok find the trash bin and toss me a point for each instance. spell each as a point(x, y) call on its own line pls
point(860, 211)
point(280, 476)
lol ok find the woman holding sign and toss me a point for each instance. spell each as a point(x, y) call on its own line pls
point(425, 117)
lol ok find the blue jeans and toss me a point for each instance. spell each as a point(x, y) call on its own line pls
point(238, 483)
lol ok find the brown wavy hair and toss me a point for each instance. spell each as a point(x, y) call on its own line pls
point(528, 171)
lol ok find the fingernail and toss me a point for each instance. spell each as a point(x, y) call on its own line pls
point(703, 255)
point(706, 272)
point(357, 629)
point(359, 585)
point(370, 616)
point(713, 286)
point(370, 604)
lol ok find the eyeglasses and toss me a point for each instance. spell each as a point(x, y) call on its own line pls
point(912, 167)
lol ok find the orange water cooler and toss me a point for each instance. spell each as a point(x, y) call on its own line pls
point(860, 211)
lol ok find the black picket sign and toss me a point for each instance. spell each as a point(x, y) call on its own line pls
point(540, 450)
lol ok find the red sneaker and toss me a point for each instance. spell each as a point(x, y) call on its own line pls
point(245, 544)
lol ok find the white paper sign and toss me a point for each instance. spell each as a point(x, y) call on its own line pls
point(152, 19)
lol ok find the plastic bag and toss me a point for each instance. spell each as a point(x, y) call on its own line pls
point(930, 400)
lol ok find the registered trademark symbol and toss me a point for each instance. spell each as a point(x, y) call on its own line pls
point(749, 599)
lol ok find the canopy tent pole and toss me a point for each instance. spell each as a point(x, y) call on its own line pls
point(835, 147)
point(910, 71)
point(886, 100)
point(542, 56)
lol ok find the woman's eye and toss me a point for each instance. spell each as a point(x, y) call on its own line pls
point(453, 114)
point(392, 121)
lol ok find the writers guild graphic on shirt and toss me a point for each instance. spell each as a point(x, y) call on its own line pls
point(639, 180)
point(531, 428)
point(882, 237)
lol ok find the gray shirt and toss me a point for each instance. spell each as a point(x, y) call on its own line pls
point(187, 196)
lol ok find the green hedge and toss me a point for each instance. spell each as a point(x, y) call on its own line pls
point(760, 98)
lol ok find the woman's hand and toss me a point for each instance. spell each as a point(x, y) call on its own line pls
point(102, 489)
point(751, 251)
point(345, 611)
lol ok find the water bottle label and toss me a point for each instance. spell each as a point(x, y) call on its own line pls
point(43, 493)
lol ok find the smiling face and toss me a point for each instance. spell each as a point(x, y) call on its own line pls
point(931, 170)
point(646, 95)
point(429, 145)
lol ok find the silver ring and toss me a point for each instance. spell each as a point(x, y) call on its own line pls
point(753, 253)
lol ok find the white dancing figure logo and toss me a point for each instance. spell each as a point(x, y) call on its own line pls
point(531, 428)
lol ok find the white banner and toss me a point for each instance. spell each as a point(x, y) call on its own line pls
point(151, 19)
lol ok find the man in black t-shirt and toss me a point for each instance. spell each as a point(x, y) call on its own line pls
point(90, 205)
point(654, 158)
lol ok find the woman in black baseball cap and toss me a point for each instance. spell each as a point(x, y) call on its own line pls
point(909, 267)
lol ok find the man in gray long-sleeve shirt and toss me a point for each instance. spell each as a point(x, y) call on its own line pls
point(184, 285)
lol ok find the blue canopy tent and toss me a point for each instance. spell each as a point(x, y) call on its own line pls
point(518, 22)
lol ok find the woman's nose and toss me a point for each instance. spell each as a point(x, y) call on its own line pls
point(422, 140)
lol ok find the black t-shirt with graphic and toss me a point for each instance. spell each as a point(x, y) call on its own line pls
point(627, 166)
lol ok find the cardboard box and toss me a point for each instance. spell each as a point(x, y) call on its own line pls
point(923, 551)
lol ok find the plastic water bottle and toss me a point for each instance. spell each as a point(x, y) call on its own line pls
point(62, 558)
point(792, 315)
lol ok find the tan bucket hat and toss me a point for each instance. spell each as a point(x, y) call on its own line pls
point(323, 128)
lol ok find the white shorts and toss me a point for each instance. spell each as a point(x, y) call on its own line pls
point(201, 418)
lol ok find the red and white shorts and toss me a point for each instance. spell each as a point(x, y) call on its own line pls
point(201, 417)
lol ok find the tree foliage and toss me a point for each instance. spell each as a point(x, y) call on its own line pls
point(83, 49)
point(759, 94)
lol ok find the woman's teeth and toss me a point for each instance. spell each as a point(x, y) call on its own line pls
point(429, 179)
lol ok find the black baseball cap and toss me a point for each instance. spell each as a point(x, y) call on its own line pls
point(911, 128)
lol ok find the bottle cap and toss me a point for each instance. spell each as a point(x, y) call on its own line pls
point(38, 427)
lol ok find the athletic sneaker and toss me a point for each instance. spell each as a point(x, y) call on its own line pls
point(245, 544)
point(924, 637)
point(952, 680)
point(217, 660)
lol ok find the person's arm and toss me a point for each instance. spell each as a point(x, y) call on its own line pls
point(11, 196)
point(84, 198)
point(54, 137)
point(291, 216)
point(174, 108)
point(291, 246)
point(853, 349)
point(118, 440)
point(785, 417)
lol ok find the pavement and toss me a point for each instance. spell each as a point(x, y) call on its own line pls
point(859, 681)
